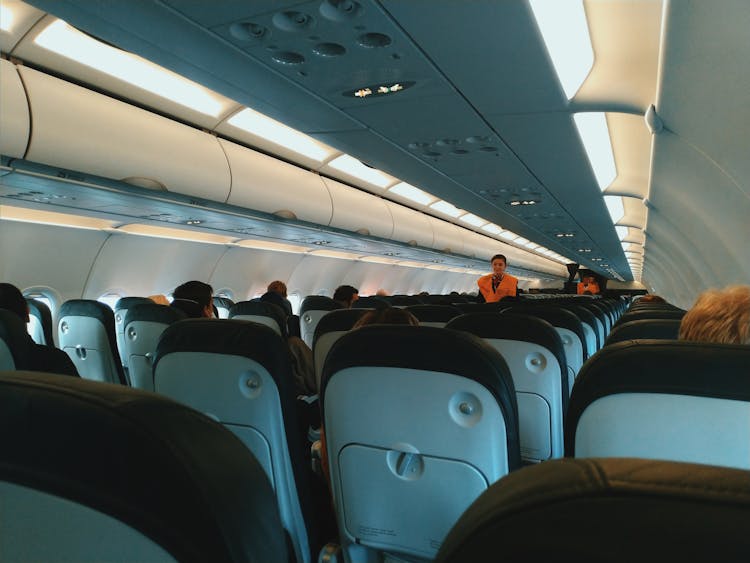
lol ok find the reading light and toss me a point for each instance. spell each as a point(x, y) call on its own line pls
point(67, 41)
point(566, 34)
point(446, 208)
point(492, 228)
point(592, 127)
point(258, 124)
point(615, 207)
point(353, 167)
point(411, 193)
point(472, 220)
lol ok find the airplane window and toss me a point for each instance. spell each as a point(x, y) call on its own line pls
point(225, 293)
point(295, 300)
point(40, 297)
point(109, 299)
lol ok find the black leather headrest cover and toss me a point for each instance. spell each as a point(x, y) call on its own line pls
point(128, 302)
point(514, 326)
point(154, 313)
point(429, 349)
point(13, 333)
point(659, 366)
point(667, 329)
point(614, 510)
point(318, 303)
point(163, 468)
point(342, 319)
point(433, 313)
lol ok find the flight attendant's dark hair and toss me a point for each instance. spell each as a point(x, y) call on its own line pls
point(500, 257)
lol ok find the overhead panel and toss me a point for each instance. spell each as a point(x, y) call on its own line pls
point(14, 112)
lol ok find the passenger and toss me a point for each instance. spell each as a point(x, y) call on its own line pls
point(588, 286)
point(195, 299)
point(276, 294)
point(159, 299)
point(493, 287)
point(389, 315)
point(40, 358)
point(651, 299)
point(346, 295)
point(381, 293)
point(721, 316)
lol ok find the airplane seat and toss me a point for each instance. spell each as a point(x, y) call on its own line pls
point(144, 324)
point(414, 435)
point(263, 313)
point(121, 311)
point(370, 302)
point(330, 328)
point(40, 322)
point(434, 315)
point(311, 310)
point(86, 332)
point(651, 313)
point(603, 314)
point(535, 355)
point(663, 399)
point(404, 300)
point(223, 305)
point(14, 350)
point(593, 342)
point(600, 323)
point(239, 373)
point(570, 329)
point(662, 329)
point(481, 307)
point(611, 510)
point(94, 472)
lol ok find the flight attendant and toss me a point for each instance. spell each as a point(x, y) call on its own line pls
point(498, 284)
point(588, 286)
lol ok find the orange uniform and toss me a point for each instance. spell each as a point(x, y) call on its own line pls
point(592, 288)
point(506, 287)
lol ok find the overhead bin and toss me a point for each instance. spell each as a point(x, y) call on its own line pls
point(266, 184)
point(448, 237)
point(14, 112)
point(358, 211)
point(81, 130)
point(409, 226)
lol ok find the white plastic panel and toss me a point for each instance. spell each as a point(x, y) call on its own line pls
point(448, 237)
point(81, 130)
point(661, 426)
point(355, 210)
point(38, 526)
point(22, 18)
point(410, 226)
point(263, 183)
point(14, 112)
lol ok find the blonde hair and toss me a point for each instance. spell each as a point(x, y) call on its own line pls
point(159, 299)
point(719, 316)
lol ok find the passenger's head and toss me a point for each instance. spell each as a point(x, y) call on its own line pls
point(652, 299)
point(719, 316)
point(389, 315)
point(277, 286)
point(499, 264)
point(381, 292)
point(13, 300)
point(346, 295)
point(276, 299)
point(159, 299)
point(194, 292)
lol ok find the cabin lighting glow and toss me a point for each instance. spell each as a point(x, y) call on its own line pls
point(472, 220)
point(378, 259)
point(566, 34)
point(24, 215)
point(353, 167)
point(621, 231)
point(507, 235)
point(177, 234)
point(258, 124)
point(492, 229)
point(275, 246)
point(592, 127)
point(531, 245)
point(335, 254)
point(521, 240)
point(67, 41)
point(411, 193)
point(446, 208)
point(615, 206)
point(6, 18)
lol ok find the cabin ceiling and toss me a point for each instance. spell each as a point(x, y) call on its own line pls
point(484, 122)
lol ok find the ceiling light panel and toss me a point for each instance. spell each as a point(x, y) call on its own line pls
point(412, 194)
point(447, 209)
point(473, 220)
point(592, 126)
point(353, 167)
point(67, 41)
